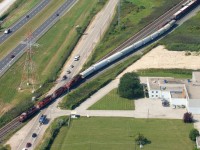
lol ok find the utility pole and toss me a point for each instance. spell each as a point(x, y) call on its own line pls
point(29, 78)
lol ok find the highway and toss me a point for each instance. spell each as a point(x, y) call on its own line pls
point(23, 20)
point(7, 61)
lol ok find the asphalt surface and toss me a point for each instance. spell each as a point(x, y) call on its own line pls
point(24, 20)
point(7, 61)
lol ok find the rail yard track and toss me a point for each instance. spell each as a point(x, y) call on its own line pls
point(9, 127)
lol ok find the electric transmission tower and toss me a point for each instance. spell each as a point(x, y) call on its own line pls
point(29, 78)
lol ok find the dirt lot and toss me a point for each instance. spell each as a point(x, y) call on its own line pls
point(160, 57)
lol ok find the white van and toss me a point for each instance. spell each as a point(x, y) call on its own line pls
point(76, 58)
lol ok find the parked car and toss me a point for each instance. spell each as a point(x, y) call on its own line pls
point(165, 104)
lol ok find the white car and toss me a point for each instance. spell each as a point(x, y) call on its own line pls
point(7, 31)
point(76, 58)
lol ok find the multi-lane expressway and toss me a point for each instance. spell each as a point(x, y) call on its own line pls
point(7, 61)
point(23, 20)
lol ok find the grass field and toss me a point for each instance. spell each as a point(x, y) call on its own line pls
point(16, 11)
point(54, 48)
point(119, 134)
point(112, 101)
point(176, 73)
point(186, 37)
point(134, 15)
point(33, 24)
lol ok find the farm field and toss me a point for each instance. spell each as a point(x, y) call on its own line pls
point(54, 48)
point(186, 37)
point(135, 14)
point(16, 11)
point(119, 133)
point(112, 101)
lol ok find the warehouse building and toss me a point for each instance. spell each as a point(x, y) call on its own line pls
point(178, 92)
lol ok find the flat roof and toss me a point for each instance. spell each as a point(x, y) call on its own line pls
point(194, 103)
point(196, 75)
point(176, 86)
point(193, 91)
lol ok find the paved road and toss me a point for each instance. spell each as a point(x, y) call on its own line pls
point(22, 21)
point(6, 62)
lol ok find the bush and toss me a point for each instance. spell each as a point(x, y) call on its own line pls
point(188, 118)
point(130, 87)
point(142, 140)
point(193, 134)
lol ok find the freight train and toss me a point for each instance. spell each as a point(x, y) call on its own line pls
point(61, 90)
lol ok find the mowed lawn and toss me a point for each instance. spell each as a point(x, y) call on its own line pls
point(98, 133)
point(53, 50)
point(175, 73)
point(112, 101)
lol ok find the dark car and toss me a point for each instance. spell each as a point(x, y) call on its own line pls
point(64, 77)
point(57, 14)
point(165, 104)
point(28, 145)
point(72, 66)
point(27, 16)
point(12, 56)
point(34, 135)
point(68, 71)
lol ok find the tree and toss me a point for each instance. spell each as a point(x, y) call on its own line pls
point(141, 140)
point(130, 87)
point(193, 134)
point(187, 118)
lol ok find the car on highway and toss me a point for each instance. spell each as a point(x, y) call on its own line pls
point(12, 56)
point(72, 66)
point(77, 57)
point(68, 71)
point(28, 145)
point(34, 135)
point(27, 16)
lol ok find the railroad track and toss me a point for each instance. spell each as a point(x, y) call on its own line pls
point(147, 30)
point(9, 127)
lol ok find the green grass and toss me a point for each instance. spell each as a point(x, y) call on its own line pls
point(186, 37)
point(175, 73)
point(112, 101)
point(135, 14)
point(54, 48)
point(33, 24)
point(97, 133)
point(16, 11)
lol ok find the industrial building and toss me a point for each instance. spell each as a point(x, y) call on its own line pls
point(178, 92)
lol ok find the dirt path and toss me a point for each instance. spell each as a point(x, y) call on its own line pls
point(4, 5)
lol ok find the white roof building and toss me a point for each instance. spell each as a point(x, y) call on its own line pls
point(177, 91)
